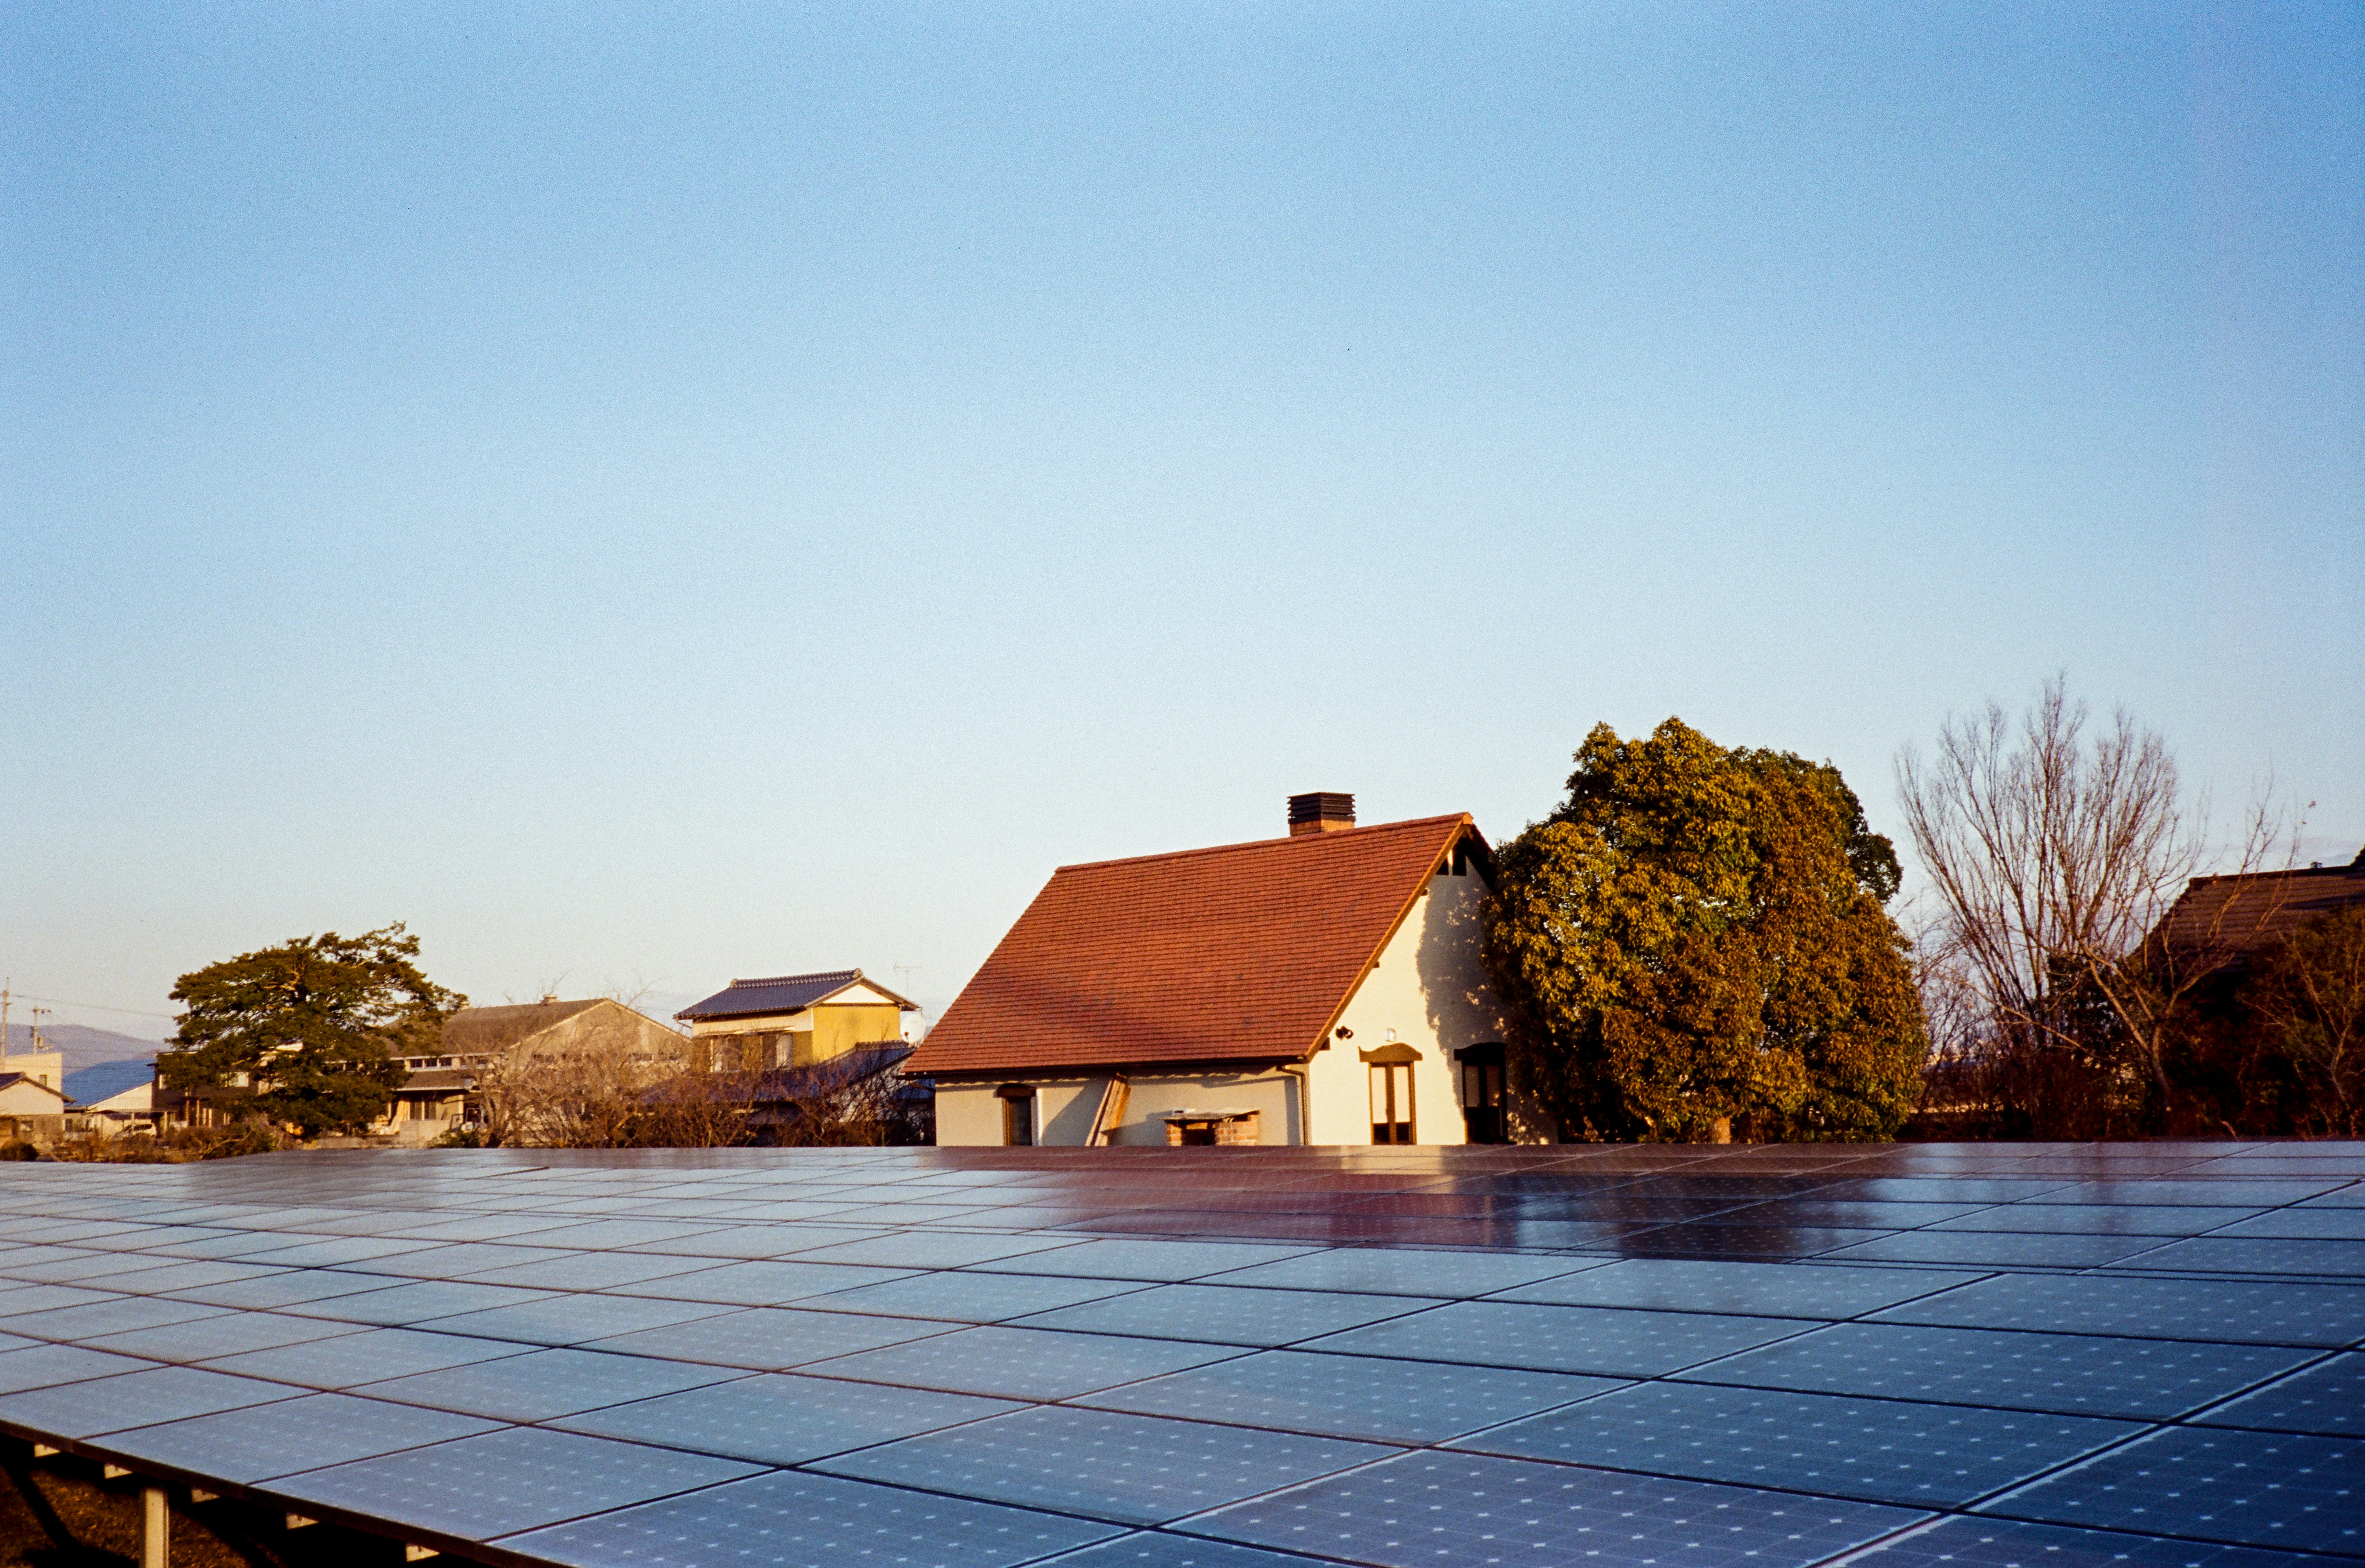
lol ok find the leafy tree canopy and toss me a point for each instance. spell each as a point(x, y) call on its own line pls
point(306, 1032)
point(1696, 939)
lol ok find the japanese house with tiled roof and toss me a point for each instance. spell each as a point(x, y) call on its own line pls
point(1321, 988)
point(793, 1021)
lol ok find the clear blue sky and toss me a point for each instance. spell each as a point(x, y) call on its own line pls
point(686, 492)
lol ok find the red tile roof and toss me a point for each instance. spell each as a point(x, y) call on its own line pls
point(1245, 953)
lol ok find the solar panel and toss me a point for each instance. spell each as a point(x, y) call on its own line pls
point(2073, 1374)
point(770, 1339)
point(1962, 1542)
point(540, 1384)
point(1101, 1464)
point(289, 1436)
point(1885, 1451)
point(1666, 1285)
point(783, 1419)
point(1023, 1363)
point(1227, 1314)
point(134, 1399)
point(796, 1520)
point(1979, 1355)
point(501, 1483)
point(2207, 1310)
point(2245, 1488)
point(2328, 1397)
point(1164, 1549)
point(1607, 1342)
point(1431, 1508)
point(1351, 1396)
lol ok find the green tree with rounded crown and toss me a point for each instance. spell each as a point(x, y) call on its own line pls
point(308, 1032)
point(1696, 941)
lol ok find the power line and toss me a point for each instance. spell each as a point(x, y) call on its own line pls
point(102, 1007)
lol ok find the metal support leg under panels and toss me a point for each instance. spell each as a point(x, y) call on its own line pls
point(156, 1528)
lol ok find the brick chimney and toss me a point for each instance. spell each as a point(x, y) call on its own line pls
point(1321, 812)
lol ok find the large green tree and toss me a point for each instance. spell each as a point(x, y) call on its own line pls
point(306, 1033)
point(1694, 942)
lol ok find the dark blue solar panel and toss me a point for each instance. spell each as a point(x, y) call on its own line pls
point(1227, 1314)
point(967, 1296)
point(42, 1366)
point(244, 1446)
point(2073, 1374)
point(1166, 1549)
point(2324, 1224)
point(770, 1339)
point(768, 1282)
point(1403, 1272)
point(371, 1356)
point(2248, 1489)
point(2328, 1399)
point(1170, 1261)
point(1882, 1450)
point(1431, 1508)
point(134, 1399)
point(1132, 1469)
point(1962, 1542)
point(1775, 1289)
point(2313, 1258)
point(1968, 1248)
point(541, 1384)
point(1352, 1396)
point(2241, 1310)
point(793, 1519)
point(219, 1334)
point(571, 1319)
point(1607, 1342)
point(1023, 1363)
point(507, 1481)
point(784, 1419)
point(91, 1320)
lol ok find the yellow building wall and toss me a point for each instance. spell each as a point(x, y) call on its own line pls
point(838, 1029)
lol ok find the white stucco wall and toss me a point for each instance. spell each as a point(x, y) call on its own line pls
point(970, 1114)
point(1273, 1094)
point(1430, 989)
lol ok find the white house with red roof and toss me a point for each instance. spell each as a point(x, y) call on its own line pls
point(1321, 988)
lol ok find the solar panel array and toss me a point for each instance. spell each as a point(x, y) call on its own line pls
point(1979, 1356)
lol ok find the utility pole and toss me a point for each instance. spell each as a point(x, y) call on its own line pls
point(4, 1017)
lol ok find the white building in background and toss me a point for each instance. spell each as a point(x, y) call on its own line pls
point(1321, 988)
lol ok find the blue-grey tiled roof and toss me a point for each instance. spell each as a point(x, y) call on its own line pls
point(104, 1079)
point(779, 993)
